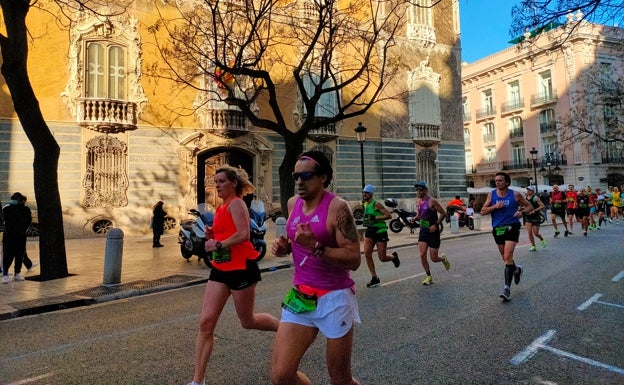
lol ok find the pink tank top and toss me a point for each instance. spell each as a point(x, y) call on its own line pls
point(315, 272)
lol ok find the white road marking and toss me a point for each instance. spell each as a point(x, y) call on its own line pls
point(618, 277)
point(403, 279)
point(594, 299)
point(33, 379)
point(540, 343)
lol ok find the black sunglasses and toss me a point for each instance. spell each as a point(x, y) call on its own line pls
point(305, 175)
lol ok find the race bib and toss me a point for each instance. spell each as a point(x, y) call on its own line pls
point(424, 223)
point(501, 230)
point(298, 303)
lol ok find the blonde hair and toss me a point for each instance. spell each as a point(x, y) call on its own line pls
point(240, 176)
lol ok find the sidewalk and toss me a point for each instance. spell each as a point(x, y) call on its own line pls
point(144, 270)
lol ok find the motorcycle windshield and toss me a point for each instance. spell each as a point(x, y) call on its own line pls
point(256, 211)
point(207, 213)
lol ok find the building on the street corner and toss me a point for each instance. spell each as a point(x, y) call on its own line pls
point(118, 156)
point(545, 95)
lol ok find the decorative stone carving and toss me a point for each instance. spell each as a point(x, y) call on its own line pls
point(119, 28)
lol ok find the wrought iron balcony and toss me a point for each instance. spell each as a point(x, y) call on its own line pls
point(422, 32)
point(227, 123)
point(548, 128)
point(425, 135)
point(486, 112)
point(544, 98)
point(106, 115)
point(513, 105)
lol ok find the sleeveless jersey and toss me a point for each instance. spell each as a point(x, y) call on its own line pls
point(379, 225)
point(504, 216)
point(309, 269)
point(223, 228)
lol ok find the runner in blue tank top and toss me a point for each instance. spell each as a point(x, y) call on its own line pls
point(503, 204)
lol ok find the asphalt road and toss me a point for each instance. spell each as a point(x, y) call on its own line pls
point(563, 326)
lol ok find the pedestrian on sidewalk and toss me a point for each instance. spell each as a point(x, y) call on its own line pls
point(429, 236)
point(503, 203)
point(234, 270)
point(17, 218)
point(158, 223)
point(376, 235)
point(27, 263)
point(532, 220)
point(325, 247)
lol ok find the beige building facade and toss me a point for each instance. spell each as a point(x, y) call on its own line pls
point(536, 102)
point(119, 157)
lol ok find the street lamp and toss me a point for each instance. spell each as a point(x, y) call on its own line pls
point(533, 153)
point(360, 132)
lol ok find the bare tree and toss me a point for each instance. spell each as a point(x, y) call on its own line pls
point(332, 58)
point(534, 15)
point(595, 116)
point(14, 49)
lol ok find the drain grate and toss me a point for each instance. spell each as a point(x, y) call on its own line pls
point(43, 303)
point(100, 291)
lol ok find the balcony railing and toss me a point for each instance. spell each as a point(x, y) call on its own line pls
point(426, 135)
point(517, 164)
point(489, 138)
point(616, 159)
point(325, 133)
point(422, 32)
point(548, 128)
point(489, 167)
point(545, 98)
point(486, 112)
point(227, 123)
point(516, 133)
point(106, 115)
point(512, 106)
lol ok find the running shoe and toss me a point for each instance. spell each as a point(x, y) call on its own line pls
point(544, 243)
point(18, 277)
point(396, 260)
point(592, 228)
point(445, 262)
point(570, 233)
point(428, 280)
point(610, 220)
point(517, 275)
point(556, 234)
point(5, 279)
point(584, 233)
point(374, 282)
point(506, 296)
point(532, 248)
point(566, 233)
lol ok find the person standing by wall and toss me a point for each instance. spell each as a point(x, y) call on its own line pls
point(545, 198)
point(234, 270)
point(532, 219)
point(323, 239)
point(429, 236)
point(503, 203)
point(158, 223)
point(375, 216)
point(17, 218)
point(28, 264)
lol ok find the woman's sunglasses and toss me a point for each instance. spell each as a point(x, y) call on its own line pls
point(304, 176)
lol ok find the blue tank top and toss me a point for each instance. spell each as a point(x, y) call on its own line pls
point(504, 216)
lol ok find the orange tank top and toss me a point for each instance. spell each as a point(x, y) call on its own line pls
point(224, 228)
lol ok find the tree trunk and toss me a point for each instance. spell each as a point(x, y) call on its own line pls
point(14, 48)
point(294, 147)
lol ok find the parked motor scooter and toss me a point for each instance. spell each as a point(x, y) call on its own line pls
point(463, 217)
point(257, 230)
point(404, 218)
point(192, 236)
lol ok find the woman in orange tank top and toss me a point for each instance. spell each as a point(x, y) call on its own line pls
point(234, 269)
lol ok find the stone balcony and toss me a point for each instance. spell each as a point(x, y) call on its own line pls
point(106, 115)
point(426, 135)
point(226, 123)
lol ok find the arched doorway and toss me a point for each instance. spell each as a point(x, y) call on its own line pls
point(209, 161)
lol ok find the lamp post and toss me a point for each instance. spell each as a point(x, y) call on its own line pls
point(533, 153)
point(360, 132)
point(550, 172)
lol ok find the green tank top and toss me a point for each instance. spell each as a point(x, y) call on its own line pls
point(369, 209)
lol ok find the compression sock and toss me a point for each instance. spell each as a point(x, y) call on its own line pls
point(509, 271)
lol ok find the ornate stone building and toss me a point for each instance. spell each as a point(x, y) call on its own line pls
point(529, 109)
point(118, 157)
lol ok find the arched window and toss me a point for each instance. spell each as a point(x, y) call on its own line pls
point(105, 71)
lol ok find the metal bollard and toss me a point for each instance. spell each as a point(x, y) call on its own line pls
point(477, 221)
point(112, 256)
point(454, 224)
point(280, 227)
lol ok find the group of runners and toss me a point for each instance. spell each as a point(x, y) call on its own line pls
point(589, 207)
